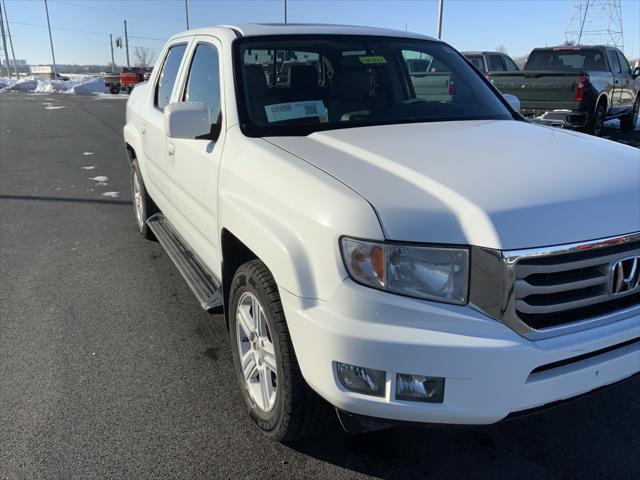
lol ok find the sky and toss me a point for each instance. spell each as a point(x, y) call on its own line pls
point(81, 28)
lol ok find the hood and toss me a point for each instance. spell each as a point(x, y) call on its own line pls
point(498, 184)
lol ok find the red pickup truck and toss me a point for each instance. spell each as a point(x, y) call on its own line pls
point(126, 80)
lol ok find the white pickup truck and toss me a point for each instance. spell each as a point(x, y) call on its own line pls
point(396, 256)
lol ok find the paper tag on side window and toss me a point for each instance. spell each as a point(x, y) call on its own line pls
point(288, 111)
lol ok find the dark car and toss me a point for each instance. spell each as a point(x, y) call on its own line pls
point(489, 62)
point(576, 87)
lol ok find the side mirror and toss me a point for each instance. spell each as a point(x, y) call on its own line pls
point(513, 101)
point(190, 120)
point(636, 72)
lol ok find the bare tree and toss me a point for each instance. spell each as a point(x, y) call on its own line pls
point(143, 56)
point(520, 61)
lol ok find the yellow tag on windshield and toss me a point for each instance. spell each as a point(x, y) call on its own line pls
point(372, 59)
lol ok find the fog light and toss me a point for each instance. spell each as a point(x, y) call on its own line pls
point(362, 380)
point(419, 388)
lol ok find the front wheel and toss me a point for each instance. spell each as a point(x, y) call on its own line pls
point(143, 205)
point(628, 122)
point(279, 400)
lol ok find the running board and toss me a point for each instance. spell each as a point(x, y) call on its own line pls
point(202, 282)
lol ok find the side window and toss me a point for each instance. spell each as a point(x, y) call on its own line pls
point(477, 61)
point(168, 74)
point(495, 63)
point(613, 60)
point(626, 69)
point(511, 67)
point(203, 83)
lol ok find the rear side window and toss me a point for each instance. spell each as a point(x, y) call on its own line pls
point(613, 60)
point(624, 64)
point(203, 84)
point(495, 63)
point(168, 75)
point(477, 62)
point(511, 67)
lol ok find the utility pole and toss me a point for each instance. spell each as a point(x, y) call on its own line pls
point(440, 10)
point(126, 43)
point(13, 53)
point(113, 61)
point(186, 12)
point(4, 44)
point(285, 11)
point(53, 55)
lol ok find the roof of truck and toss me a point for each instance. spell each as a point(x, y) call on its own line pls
point(483, 52)
point(267, 29)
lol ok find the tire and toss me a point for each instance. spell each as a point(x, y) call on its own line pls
point(596, 123)
point(143, 205)
point(296, 410)
point(628, 122)
point(114, 89)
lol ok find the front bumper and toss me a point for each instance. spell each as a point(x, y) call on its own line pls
point(487, 366)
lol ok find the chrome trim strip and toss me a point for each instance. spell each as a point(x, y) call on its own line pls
point(484, 273)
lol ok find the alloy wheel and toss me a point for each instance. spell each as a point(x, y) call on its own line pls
point(256, 352)
point(137, 199)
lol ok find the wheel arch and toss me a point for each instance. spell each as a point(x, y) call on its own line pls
point(235, 253)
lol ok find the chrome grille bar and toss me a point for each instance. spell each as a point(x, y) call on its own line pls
point(554, 290)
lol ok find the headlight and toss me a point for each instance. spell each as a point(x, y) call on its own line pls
point(433, 273)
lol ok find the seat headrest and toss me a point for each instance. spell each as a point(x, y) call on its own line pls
point(352, 83)
point(256, 81)
point(303, 77)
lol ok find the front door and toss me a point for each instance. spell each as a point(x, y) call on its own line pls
point(153, 134)
point(194, 164)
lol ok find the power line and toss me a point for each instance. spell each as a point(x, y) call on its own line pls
point(119, 12)
point(85, 31)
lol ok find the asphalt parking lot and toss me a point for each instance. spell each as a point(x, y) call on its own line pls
point(109, 369)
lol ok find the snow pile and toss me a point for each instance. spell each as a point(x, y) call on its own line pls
point(22, 85)
point(88, 86)
point(76, 86)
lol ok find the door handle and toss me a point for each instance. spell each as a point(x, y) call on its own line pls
point(143, 129)
point(172, 148)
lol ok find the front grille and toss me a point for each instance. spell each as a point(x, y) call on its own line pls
point(558, 288)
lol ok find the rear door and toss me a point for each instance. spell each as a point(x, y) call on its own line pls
point(618, 80)
point(153, 134)
point(194, 164)
point(627, 88)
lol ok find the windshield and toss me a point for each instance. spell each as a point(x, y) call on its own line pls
point(566, 60)
point(298, 85)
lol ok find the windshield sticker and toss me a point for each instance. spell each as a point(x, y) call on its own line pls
point(372, 59)
point(288, 111)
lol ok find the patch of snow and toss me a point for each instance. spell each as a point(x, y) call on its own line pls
point(87, 153)
point(110, 96)
point(52, 106)
point(99, 178)
point(89, 167)
point(111, 194)
point(84, 85)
